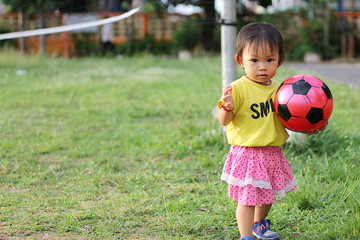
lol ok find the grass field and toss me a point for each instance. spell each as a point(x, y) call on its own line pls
point(110, 149)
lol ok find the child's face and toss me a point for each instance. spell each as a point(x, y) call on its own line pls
point(259, 65)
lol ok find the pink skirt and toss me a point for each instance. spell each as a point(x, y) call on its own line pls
point(257, 175)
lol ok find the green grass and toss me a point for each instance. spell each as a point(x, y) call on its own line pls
point(110, 149)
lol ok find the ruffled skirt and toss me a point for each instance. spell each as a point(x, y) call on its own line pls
point(257, 175)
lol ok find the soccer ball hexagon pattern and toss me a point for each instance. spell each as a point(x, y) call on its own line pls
point(303, 103)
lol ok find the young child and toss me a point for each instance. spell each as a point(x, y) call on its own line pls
point(255, 169)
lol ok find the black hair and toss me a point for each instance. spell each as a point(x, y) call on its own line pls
point(262, 35)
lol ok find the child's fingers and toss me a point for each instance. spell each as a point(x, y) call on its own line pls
point(228, 105)
point(227, 89)
point(227, 98)
point(227, 92)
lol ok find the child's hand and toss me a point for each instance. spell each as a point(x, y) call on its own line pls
point(227, 98)
point(319, 130)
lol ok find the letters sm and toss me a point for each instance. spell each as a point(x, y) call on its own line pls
point(262, 109)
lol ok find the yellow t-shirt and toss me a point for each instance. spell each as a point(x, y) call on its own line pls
point(255, 123)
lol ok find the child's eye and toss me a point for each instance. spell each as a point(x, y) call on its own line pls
point(270, 60)
point(254, 60)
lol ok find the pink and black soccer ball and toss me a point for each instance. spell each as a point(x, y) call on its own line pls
point(303, 103)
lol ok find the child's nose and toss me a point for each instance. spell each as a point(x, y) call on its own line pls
point(262, 66)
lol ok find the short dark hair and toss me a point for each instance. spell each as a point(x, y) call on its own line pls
point(260, 34)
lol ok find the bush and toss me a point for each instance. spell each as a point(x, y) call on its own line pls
point(187, 36)
point(312, 35)
point(84, 45)
point(312, 39)
point(146, 45)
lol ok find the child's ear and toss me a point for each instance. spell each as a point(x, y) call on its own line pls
point(239, 61)
point(281, 59)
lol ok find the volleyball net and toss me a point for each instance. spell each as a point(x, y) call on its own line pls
point(67, 28)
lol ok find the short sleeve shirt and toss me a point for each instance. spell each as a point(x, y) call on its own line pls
point(255, 122)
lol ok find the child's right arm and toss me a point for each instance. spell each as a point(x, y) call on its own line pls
point(226, 107)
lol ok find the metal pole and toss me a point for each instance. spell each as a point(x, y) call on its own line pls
point(343, 33)
point(21, 28)
point(228, 39)
point(351, 36)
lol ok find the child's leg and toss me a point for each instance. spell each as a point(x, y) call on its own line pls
point(262, 228)
point(245, 219)
point(261, 211)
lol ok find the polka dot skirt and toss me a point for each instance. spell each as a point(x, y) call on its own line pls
point(257, 175)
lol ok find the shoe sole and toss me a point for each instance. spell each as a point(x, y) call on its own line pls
point(260, 238)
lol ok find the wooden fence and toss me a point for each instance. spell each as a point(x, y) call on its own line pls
point(62, 44)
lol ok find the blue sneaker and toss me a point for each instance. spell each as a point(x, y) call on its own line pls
point(263, 231)
point(247, 238)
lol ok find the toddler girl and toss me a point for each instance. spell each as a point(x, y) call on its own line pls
point(255, 169)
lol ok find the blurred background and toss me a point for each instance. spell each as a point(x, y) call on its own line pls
point(312, 29)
